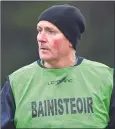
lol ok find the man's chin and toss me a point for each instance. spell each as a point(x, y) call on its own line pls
point(45, 58)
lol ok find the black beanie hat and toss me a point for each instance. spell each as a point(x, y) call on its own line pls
point(68, 19)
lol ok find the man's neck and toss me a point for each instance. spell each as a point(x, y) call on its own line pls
point(62, 63)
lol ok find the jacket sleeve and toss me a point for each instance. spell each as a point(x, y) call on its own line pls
point(111, 124)
point(7, 107)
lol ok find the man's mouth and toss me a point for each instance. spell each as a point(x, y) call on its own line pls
point(44, 49)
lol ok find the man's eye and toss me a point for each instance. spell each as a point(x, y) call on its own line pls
point(38, 31)
point(52, 31)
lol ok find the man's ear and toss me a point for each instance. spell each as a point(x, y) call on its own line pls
point(70, 45)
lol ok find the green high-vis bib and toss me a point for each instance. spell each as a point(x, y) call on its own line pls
point(73, 97)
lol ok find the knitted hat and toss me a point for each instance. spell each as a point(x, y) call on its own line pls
point(68, 19)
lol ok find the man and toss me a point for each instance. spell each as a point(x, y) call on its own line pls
point(61, 90)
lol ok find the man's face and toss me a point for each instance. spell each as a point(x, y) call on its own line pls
point(53, 45)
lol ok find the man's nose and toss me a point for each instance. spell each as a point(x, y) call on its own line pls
point(41, 37)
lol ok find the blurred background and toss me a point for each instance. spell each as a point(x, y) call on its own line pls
point(18, 32)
